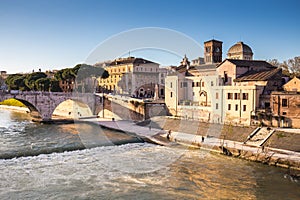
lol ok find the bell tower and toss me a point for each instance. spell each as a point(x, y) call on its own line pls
point(213, 51)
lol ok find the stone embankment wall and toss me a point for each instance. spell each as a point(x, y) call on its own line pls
point(270, 156)
point(282, 148)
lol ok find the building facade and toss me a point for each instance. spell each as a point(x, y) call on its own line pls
point(285, 105)
point(136, 77)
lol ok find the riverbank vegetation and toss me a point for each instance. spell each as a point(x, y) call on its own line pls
point(40, 81)
point(12, 102)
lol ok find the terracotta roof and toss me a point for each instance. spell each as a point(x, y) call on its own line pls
point(249, 63)
point(130, 60)
point(182, 68)
point(257, 76)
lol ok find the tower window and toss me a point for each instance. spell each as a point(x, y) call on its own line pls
point(284, 103)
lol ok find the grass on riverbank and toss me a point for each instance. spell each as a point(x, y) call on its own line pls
point(12, 102)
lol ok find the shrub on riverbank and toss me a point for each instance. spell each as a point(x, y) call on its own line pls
point(12, 102)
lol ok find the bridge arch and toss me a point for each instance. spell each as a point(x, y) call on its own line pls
point(71, 108)
point(43, 104)
point(34, 112)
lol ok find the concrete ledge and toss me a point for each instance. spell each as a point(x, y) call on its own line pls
point(270, 156)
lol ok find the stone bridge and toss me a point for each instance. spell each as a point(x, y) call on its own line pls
point(128, 108)
point(43, 104)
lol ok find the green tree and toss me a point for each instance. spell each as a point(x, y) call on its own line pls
point(43, 84)
point(85, 71)
point(30, 79)
point(16, 82)
point(55, 86)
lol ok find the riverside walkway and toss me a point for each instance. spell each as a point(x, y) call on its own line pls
point(148, 134)
point(267, 155)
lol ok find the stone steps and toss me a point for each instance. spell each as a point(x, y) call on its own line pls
point(260, 137)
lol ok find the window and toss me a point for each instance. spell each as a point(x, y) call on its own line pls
point(217, 95)
point(245, 96)
point(236, 107)
point(184, 84)
point(236, 95)
point(284, 103)
point(193, 93)
point(244, 108)
point(193, 84)
point(229, 106)
point(229, 95)
point(211, 83)
point(225, 77)
point(171, 85)
point(217, 106)
point(207, 49)
point(162, 92)
point(171, 94)
point(202, 84)
point(197, 84)
point(283, 113)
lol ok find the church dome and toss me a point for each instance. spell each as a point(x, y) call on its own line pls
point(239, 49)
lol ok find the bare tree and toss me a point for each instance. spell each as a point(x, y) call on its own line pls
point(284, 66)
point(291, 67)
point(294, 65)
point(274, 62)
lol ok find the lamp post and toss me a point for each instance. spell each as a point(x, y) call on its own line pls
point(72, 86)
point(103, 101)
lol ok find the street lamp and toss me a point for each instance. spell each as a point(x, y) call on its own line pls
point(103, 101)
point(72, 86)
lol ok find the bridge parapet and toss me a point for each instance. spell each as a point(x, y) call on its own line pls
point(43, 104)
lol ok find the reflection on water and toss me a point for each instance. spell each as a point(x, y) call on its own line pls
point(20, 137)
point(128, 171)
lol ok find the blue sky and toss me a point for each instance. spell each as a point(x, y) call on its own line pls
point(61, 33)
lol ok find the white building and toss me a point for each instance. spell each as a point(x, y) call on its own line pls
point(228, 92)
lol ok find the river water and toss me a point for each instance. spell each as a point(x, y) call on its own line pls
point(82, 161)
